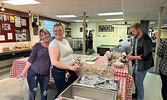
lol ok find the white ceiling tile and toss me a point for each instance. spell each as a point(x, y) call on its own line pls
point(133, 10)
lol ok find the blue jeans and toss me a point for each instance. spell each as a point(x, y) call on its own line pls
point(138, 80)
point(33, 78)
point(59, 78)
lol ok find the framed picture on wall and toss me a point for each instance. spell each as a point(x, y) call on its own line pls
point(22, 35)
point(105, 28)
point(1, 18)
point(23, 22)
point(6, 27)
point(12, 19)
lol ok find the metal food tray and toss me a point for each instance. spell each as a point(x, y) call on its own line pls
point(95, 69)
point(98, 82)
point(87, 93)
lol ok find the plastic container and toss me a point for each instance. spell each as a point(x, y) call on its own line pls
point(24, 87)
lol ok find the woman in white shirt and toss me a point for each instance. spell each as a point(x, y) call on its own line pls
point(64, 66)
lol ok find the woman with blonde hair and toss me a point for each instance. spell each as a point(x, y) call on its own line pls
point(64, 66)
point(38, 66)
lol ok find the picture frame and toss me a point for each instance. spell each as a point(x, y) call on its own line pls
point(105, 28)
point(6, 27)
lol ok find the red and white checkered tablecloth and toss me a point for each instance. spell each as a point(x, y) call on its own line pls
point(123, 72)
point(122, 88)
point(18, 66)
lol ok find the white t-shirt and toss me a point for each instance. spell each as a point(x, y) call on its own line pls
point(126, 46)
point(66, 51)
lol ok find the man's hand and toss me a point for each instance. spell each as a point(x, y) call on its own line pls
point(130, 57)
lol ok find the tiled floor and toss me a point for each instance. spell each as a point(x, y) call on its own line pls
point(11, 89)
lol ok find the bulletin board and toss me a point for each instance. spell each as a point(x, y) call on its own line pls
point(14, 28)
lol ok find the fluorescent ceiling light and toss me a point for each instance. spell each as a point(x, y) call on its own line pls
point(114, 19)
point(120, 25)
point(111, 13)
point(21, 2)
point(2, 9)
point(80, 20)
point(65, 16)
point(152, 22)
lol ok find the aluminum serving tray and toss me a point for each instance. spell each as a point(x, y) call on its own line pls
point(87, 93)
point(98, 82)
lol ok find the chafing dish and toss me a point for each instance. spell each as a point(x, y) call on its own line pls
point(78, 92)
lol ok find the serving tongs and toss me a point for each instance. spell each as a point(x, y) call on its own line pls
point(106, 81)
point(103, 68)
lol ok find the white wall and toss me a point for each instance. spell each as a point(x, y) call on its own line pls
point(108, 38)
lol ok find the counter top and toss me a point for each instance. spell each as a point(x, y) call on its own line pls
point(25, 52)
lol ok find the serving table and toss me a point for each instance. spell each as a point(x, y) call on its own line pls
point(122, 74)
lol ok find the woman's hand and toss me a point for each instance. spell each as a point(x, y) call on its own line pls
point(74, 68)
point(79, 63)
point(22, 74)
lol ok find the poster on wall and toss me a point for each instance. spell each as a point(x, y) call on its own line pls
point(22, 35)
point(17, 21)
point(6, 18)
point(10, 36)
point(11, 19)
point(2, 37)
point(1, 17)
point(6, 27)
point(105, 28)
point(23, 22)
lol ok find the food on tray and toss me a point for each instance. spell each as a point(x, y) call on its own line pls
point(99, 82)
point(89, 63)
point(88, 58)
point(22, 45)
point(123, 60)
point(118, 64)
point(95, 70)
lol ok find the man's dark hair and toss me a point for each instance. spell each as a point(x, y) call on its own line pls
point(120, 40)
